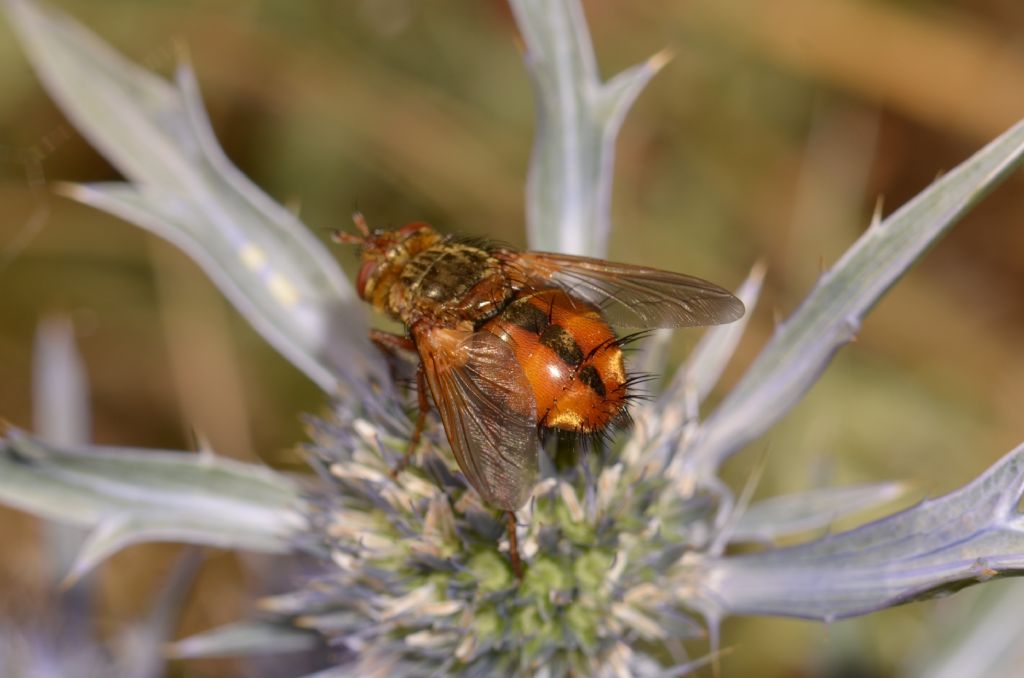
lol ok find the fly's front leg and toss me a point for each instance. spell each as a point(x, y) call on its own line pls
point(394, 345)
point(421, 421)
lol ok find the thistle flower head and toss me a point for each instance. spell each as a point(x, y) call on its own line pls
point(422, 581)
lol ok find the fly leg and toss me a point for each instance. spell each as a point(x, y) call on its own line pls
point(513, 545)
point(421, 420)
point(393, 346)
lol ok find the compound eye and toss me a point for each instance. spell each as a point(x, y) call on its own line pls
point(367, 273)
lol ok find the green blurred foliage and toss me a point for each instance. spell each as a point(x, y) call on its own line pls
point(770, 135)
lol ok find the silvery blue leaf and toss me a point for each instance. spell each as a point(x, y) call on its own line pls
point(568, 191)
point(61, 414)
point(712, 353)
point(816, 509)
point(244, 638)
point(129, 495)
point(62, 417)
point(940, 545)
point(831, 315)
point(673, 415)
point(60, 390)
point(184, 189)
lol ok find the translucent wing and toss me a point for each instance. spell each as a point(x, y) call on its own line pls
point(629, 296)
point(487, 409)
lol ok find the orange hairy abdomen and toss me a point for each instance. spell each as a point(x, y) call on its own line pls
point(570, 356)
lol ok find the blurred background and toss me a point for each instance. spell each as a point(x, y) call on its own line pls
point(772, 134)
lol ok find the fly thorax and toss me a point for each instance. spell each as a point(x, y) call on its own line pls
point(448, 278)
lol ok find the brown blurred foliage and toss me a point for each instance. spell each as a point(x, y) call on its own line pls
point(772, 134)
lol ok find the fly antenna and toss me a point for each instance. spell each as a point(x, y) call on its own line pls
point(351, 238)
point(360, 221)
point(347, 238)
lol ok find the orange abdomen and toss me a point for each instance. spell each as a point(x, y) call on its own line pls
point(570, 356)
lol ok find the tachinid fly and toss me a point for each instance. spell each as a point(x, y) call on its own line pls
point(513, 343)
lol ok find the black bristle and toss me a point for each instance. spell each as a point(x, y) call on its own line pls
point(633, 337)
point(611, 341)
point(638, 378)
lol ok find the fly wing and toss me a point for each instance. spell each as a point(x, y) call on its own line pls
point(487, 409)
point(629, 296)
